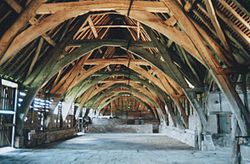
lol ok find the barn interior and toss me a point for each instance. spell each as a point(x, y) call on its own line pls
point(123, 78)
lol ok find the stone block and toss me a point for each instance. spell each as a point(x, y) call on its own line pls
point(245, 154)
point(19, 142)
point(207, 144)
point(212, 124)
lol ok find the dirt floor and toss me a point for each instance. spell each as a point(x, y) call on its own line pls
point(116, 149)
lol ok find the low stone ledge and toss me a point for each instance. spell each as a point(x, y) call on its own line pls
point(186, 136)
point(51, 136)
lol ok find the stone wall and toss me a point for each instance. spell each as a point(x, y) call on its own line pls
point(217, 101)
point(106, 121)
point(186, 136)
point(147, 128)
point(116, 125)
point(221, 121)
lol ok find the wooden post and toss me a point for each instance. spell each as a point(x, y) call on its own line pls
point(23, 110)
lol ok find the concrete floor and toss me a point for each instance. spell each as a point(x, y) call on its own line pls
point(116, 148)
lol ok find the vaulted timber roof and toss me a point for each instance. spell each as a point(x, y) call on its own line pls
point(91, 52)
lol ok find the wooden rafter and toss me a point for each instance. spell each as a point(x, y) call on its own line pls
point(216, 24)
point(37, 53)
point(216, 37)
point(52, 21)
point(107, 5)
point(9, 35)
point(14, 5)
point(221, 78)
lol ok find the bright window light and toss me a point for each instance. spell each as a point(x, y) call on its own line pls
point(9, 83)
point(22, 93)
point(189, 84)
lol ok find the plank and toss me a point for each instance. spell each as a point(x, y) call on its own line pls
point(14, 5)
point(92, 27)
point(216, 24)
point(37, 53)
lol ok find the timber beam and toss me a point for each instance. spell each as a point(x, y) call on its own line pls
point(102, 106)
point(214, 67)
